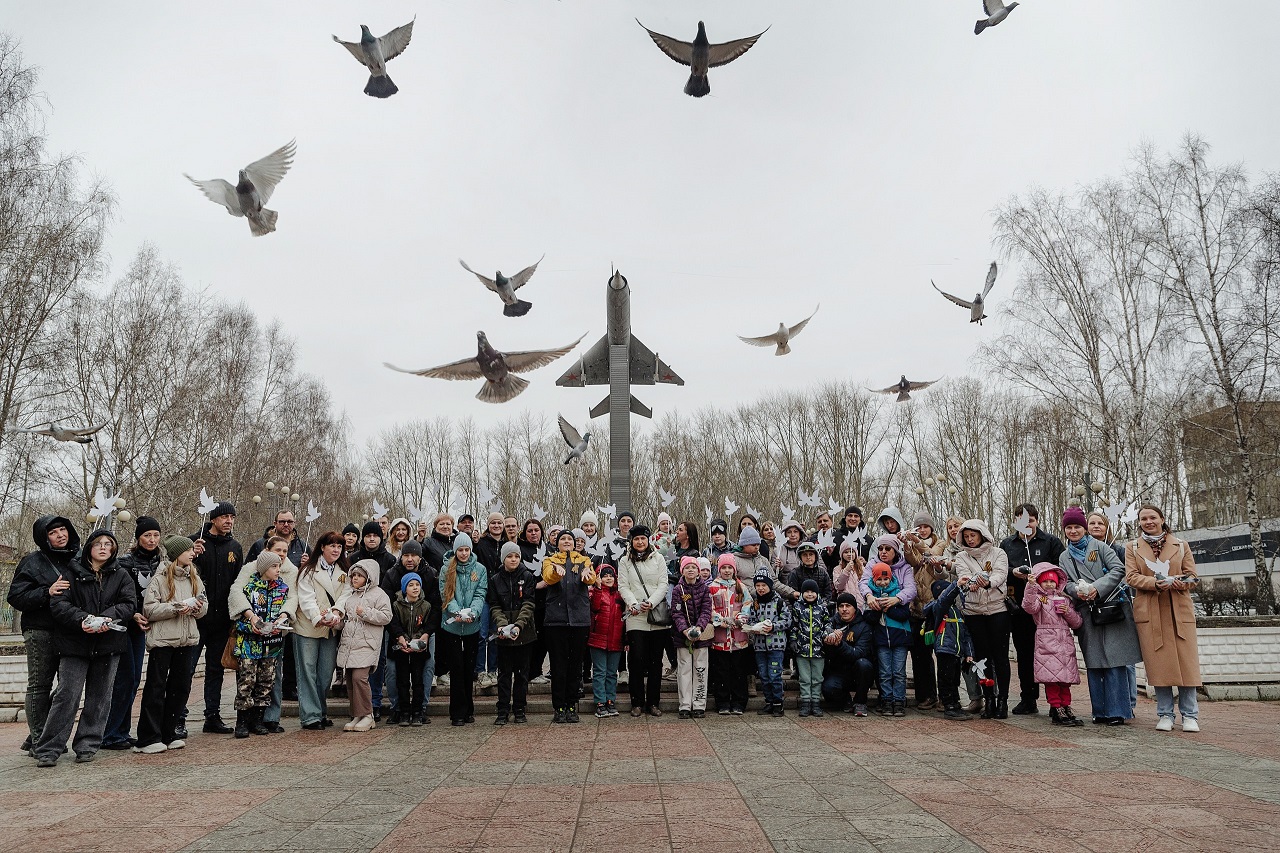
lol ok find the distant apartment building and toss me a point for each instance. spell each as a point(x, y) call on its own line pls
point(1213, 473)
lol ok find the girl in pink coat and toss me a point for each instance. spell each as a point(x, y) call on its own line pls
point(1055, 657)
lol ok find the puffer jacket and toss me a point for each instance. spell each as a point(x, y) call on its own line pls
point(361, 642)
point(410, 619)
point(237, 603)
point(142, 567)
point(170, 628)
point(749, 567)
point(728, 599)
point(568, 602)
point(690, 608)
point(266, 601)
point(988, 558)
point(818, 573)
point(29, 591)
point(469, 592)
point(855, 641)
point(607, 620)
point(808, 627)
point(1055, 656)
point(109, 592)
point(775, 610)
point(512, 597)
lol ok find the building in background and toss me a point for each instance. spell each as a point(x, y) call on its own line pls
point(1214, 485)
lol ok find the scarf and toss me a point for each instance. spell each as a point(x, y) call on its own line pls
point(1156, 542)
point(888, 592)
point(1080, 550)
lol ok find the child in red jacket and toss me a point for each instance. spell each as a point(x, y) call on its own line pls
point(608, 614)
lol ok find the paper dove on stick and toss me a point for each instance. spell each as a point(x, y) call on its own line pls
point(1022, 523)
point(538, 512)
point(103, 505)
point(836, 510)
point(1159, 568)
point(415, 515)
point(312, 512)
point(787, 513)
point(809, 499)
point(608, 511)
point(826, 539)
point(752, 511)
point(207, 504)
point(665, 497)
point(730, 507)
point(378, 509)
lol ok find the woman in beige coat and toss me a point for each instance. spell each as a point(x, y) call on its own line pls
point(982, 570)
point(1161, 571)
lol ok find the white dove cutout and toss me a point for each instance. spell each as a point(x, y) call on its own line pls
point(665, 497)
point(859, 533)
point(826, 539)
point(485, 495)
point(1159, 568)
point(1022, 523)
point(980, 668)
point(312, 513)
point(809, 500)
point(752, 511)
point(780, 339)
point(541, 553)
point(608, 511)
point(207, 504)
point(538, 512)
point(709, 516)
point(836, 510)
point(1130, 513)
point(787, 513)
point(103, 505)
point(378, 509)
point(730, 507)
point(415, 514)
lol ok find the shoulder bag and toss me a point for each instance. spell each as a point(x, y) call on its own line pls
point(1106, 612)
point(660, 614)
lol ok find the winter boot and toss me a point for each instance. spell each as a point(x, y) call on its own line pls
point(1070, 717)
point(242, 724)
point(804, 707)
point(255, 722)
point(955, 712)
point(214, 725)
point(765, 710)
point(815, 707)
point(988, 706)
point(1002, 708)
point(1057, 718)
point(501, 719)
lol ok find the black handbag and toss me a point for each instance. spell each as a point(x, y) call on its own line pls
point(660, 614)
point(1106, 612)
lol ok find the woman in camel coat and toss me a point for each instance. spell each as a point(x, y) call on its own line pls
point(1165, 616)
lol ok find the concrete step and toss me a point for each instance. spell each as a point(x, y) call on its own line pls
point(487, 707)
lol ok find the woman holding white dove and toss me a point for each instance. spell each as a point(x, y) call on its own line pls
point(464, 584)
point(322, 596)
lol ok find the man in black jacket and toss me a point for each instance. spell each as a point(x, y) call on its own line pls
point(218, 560)
point(37, 579)
point(1023, 553)
point(287, 526)
point(847, 651)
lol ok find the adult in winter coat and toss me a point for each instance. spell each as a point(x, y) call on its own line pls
point(1024, 551)
point(922, 550)
point(219, 558)
point(732, 658)
point(532, 551)
point(489, 545)
point(141, 561)
point(1095, 577)
point(463, 583)
point(786, 557)
point(366, 613)
point(568, 576)
point(322, 593)
point(285, 525)
point(853, 529)
point(440, 542)
point(750, 561)
point(398, 533)
point(1165, 616)
point(983, 570)
point(512, 597)
point(642, 580)
point(1055, 655)
point(848, 667)
point(87, 655)
point(37, 580)
point(690, 616)
point(828, 555)
point(238, 603)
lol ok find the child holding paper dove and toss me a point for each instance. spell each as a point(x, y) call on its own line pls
point(690, 617)
point(1055, 655)
point(464, 584)
point(606, 641)
point(174, 600)
point(259, 643)
point(808, 627)
point(732, 659)
point(411, 647)
point(512, 602)
point(366, 612)
point(768, 618)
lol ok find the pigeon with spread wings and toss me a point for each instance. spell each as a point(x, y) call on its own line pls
point(903, 388)
point(701, 55)
point(506, 287)
point(82, 435)
point(498, 369)
point(374, 53)
point(577, 441)
point(996, 11)
point(253, 189)
point(979, 302)
point(781, 338)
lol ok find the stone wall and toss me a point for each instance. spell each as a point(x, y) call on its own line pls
point(13, 680)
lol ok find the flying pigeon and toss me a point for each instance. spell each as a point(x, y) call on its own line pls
point(665, 497)
point(787, 513)
point(996, 12)
point(538, 512)
point(253, 190)
point(808, 500)
point(207, 504)
point(701, 55)
point(577, 441)
point(979, 302)
point(730, 507)
point(374, 53)
point(506, 287)
point(312, 513)
point(1022, 523)
point(836, 510)
point(379, 510)
point(903, 388)
point(781, 338)
point(498, 369)
point(57, 433)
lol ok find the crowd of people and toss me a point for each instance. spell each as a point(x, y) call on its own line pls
point(391, 612)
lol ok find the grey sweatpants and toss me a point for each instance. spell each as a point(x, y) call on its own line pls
point(95, 677)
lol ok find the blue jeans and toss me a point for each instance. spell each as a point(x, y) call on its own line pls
point(1109, 693)
point(315, 660)
point(604, 675)
point(1188, 703)
point(769, 664)
point(893, 672)
point(487, 656)
point(125, 689)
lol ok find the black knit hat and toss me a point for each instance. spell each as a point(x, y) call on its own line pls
point(145, 525)
point(639, 530)
point(350, 528)
point(224, 508)
point(810, 585)
point(371, 526)
point(846, 598)
point(413, 546)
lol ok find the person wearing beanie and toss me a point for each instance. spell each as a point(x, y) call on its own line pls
point(173, 601)
point(853, 528)
point(512, 601)
point(373, 547)
point(238, 604)
point(142, 561)
point(732, 659)
point(786, 557)
point(568, 576)
point(464, 586)
point(643, 583)
point(1024, 551)
point(1055, 656)
point(410, 649)
point(768, 618)
point(889, 586)
point(848, 669)
point(366, 615)
point(749, 536)
point(219, 559)
point(259, 642)
point(411, 561)
point(606, 641)
point(922, 547)
point(487, 547)
point(720, 544)
point(811, 568)
point(943, 624)
point(808, 626)
point(87, 659)
point(591, 526)
point(664, 537)
point(350, 538)
point(690, 618)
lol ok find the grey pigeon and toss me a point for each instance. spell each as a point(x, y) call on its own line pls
point(506, 287)
point(701, 55)
point(58, 433)
point(781, 338)
point(374, 53)
point(979, 302)
point(996, 12)
point(496, 368)
point(253, 190)
point(903, 388)
point(577, 441)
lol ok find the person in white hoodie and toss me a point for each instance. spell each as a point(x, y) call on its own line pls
point(366, 614)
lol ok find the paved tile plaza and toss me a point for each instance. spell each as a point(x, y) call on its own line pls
point(718, 785)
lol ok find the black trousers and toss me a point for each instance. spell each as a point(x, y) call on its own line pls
point(214, 632)
point(289, 678)
point(646, 667)
point(990, 635)
point(538, 648)
point(922, 664)
point(839, 679)
point(411, 689)
point(459, 654)
point(165, 694)
point(1023, 628)
point(948, 680)
point(513, 678)
point(730, 678)
point(565, 646)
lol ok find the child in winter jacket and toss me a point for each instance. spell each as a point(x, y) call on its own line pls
point(512, 601)
point(732, 659)
point(768, 619)
point(1055, 657)
point(259, 642)
point(605, 642)
point(848, 651)
point(410, 630)
point(890, 617)
point(690, 617)
point(172, 603)
point(366, 613)
point(944, 628)
point(808, 626)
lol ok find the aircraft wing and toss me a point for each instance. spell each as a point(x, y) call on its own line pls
point(646, 368)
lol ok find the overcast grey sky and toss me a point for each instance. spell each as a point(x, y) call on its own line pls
point(854, 153)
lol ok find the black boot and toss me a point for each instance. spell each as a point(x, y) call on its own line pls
point(242, 724)
point(1057, 718)
point(1002, 708)
point(1071, 718)
point(214, 725)
point(955, 712)
point(256, 726)
point(988, 706)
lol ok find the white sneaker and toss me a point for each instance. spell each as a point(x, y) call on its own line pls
point(443, 680)
point(151, 748)
point(351, 726)
point(1189, 724)
point(363, 724)
point(177, 744)
point(668, 674)
point(1165, 724)
point(541, 679)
